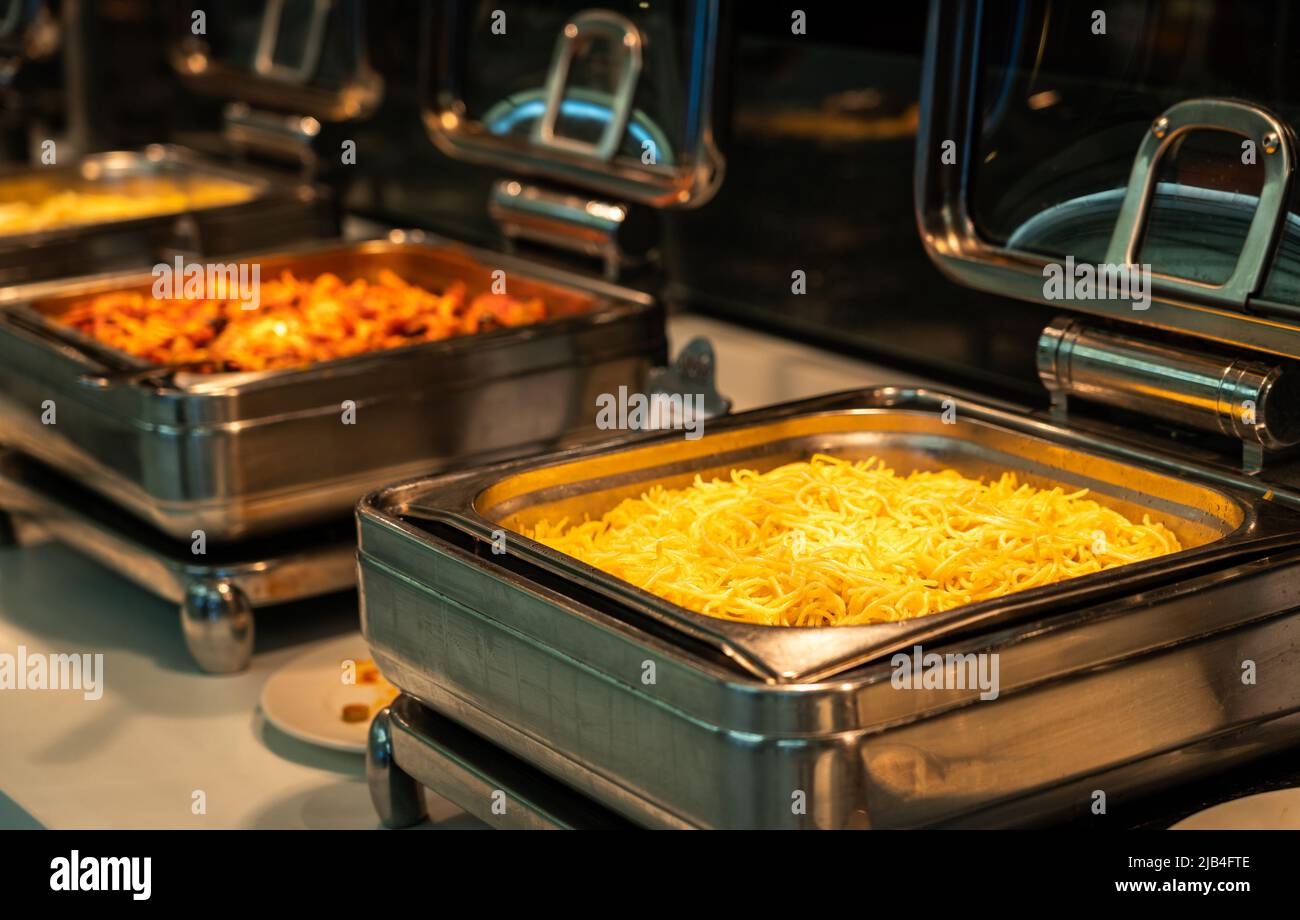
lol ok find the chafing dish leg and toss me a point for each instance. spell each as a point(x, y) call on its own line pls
point(397, 796)
point(217, 621)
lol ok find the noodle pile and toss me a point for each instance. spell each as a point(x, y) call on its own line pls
point(124, 201)
point(832, 542)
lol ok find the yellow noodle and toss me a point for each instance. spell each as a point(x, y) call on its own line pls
point(831, 542)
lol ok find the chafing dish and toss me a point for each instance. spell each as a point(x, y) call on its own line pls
point(236, 455)
point(547, 657)
point(1168, 396)
point(276, 209)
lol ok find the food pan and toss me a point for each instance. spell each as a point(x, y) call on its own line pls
point(238, 454)
point(548, 658)
point(1210, 522)
point(269, 210)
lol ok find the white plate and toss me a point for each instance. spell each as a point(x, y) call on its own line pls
point(1268, 811)
point(305, 698)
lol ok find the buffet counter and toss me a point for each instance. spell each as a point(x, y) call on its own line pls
point(163, 731)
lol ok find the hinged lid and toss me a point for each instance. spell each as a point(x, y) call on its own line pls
point(1134, 164)
point(285, 65)
point(1149, 143)
point(617, 100)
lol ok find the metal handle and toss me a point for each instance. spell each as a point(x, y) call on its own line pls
point(624, 36)
point(579, 223)
point(1273, 140)
point(1254, 402)
point(272, 134)
point(473, 773)
point(265, 62)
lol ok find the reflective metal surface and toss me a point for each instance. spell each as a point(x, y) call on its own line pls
point(217, 590)
point(1248, 400)
point(1126, 783)
point(1273, 140)
point(948, 226)
point(670, 159)
point(268, 62)
point(240, 454)
point(397, 797)
point(578, 223)
point(1099, 679)
point(692, 372)
point(625, 42)
point(322, 69)
point(272, 134)
point(217, 622)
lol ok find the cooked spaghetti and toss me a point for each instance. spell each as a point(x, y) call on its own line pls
point(831, 542)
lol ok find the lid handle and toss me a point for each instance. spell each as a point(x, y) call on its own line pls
point(265, 62)
point(10, 15)
point(1274, 142)
point(626, 43)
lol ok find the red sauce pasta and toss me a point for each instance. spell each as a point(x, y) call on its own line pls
point(297, 322)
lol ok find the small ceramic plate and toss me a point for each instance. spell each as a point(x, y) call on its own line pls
point(1267, 811)
point(305, 698)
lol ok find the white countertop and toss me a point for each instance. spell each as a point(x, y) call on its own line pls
point(163, 730)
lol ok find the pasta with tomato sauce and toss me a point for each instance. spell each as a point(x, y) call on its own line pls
point(297, 321)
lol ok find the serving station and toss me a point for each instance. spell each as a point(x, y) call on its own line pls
point(782, 710)
point(267, 463)
point(1121, 681)
point(665, 415)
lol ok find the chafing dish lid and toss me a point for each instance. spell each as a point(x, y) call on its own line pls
point(1152, 134)
point(305, 57)
point(617, 99)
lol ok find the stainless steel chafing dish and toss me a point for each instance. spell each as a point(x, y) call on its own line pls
point(545, 656)
point(263, 463)
point(1173, 401)
point(277, 208)
point(239, 454)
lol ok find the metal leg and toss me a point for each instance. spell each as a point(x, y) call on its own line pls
point(397, 796)
point(217, 621)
